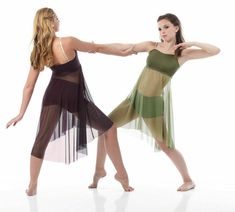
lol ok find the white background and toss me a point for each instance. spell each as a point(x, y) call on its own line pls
point(203, 90)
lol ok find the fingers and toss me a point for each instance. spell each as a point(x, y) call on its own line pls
point(9, 124)
point(12, 122)
point(179, 45)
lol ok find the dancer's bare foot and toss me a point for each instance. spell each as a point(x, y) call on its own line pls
point(32, 190)
point(96, 178)
point(124, 182)
point(186, 186)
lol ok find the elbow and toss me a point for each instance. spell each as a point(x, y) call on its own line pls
point(216, 51)
point(127, 53)
point(28, 88)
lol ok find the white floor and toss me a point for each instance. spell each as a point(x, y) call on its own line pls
point(106, 199)
point(63, 188)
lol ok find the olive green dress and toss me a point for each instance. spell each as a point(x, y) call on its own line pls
point(148, 108)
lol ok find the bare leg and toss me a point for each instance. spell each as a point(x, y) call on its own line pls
point(35, 166)
point(100, 161)
point(178, 160)
point(113, 150)
point(109, 143)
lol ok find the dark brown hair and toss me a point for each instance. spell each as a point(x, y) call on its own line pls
point(176, 22)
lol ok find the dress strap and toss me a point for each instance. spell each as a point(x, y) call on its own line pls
point(62, 49)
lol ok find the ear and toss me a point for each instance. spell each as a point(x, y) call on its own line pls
point(177, 28)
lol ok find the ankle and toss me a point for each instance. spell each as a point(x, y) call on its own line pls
point(187, 179)
point(100, 171)
point(121, 176)
point(32, 185)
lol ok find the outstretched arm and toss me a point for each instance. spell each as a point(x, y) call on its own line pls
point(91, 47)
point(125, 49)
point(27, 93)
point(202, 50)
point(115, 49)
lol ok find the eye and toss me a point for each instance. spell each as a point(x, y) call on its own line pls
point(159, 29)
point(166, 27)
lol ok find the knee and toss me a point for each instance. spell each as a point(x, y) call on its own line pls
point(167, 150)
point(37, 153)
point(112, 131)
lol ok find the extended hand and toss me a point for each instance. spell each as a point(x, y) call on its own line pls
point(184, 45)
point(14, 121)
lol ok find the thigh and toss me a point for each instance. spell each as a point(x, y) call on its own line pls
point(123, 113)
point(97, 119)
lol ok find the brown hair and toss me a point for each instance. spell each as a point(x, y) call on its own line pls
point(176, 22)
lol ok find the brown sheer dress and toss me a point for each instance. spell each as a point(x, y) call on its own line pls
point(69, 118)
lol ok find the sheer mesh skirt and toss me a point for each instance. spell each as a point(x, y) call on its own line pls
point(148, 108)
point(69, 120)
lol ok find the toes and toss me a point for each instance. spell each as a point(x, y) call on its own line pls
point(124, 183)
point(129, 189)
point(92, 186)
point(30, 193)
point(186, 186)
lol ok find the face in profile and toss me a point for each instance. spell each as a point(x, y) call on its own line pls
point(167, 30)
point(56, 23)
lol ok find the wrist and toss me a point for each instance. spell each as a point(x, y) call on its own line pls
point(20, 115)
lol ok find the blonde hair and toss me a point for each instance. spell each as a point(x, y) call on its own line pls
point(43, 36)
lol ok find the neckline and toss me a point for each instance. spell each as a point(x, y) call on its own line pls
point(161, 52)
point(166, 54)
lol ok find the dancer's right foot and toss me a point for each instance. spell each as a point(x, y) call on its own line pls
point(32, 190)
point(124, 182)
point(96, 178)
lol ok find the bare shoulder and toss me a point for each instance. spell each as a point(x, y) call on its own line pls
point(145, 46)
point(149, 44)
point(153, 45)
point(68, 40)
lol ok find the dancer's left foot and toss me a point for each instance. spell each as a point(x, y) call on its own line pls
point(186, 186)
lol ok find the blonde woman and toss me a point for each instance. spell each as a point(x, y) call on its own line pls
point(69, 118)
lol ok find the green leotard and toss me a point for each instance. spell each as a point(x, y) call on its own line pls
point(148, 108)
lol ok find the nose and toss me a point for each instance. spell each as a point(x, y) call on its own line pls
point(163, 32)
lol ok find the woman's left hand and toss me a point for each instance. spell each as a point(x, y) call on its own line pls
point(184, 45)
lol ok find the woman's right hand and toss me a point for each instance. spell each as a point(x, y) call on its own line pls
point(14, 121)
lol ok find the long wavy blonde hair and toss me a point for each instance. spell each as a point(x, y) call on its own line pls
point(43, 36)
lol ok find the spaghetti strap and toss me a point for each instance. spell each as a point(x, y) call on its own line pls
point(62, 49)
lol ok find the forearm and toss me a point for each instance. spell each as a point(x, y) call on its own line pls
point(115, 49)
point(27, 93)
point(211, 49)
